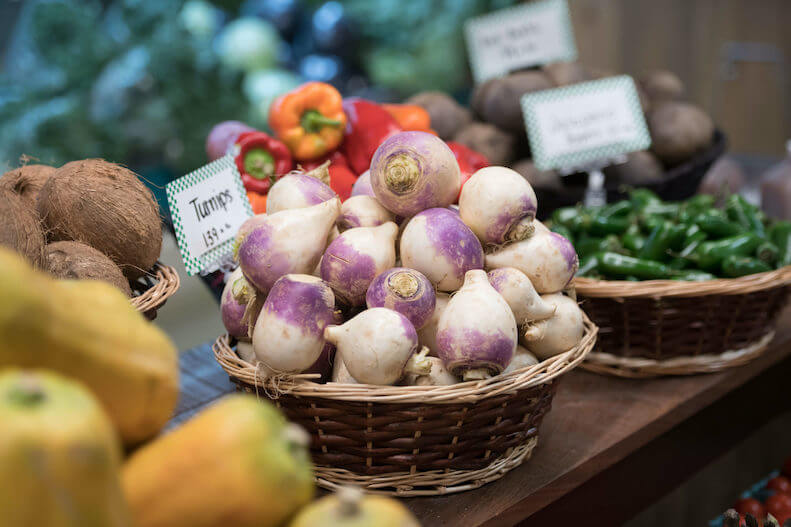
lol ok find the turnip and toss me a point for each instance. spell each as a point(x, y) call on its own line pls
point(374, 345)
point(438, 244)
point(223, 136)
point(557, 334)
point(354, 258)
point(362, 187)
point(244, 348)
point(414, 171)
point(438, 375)
point(340, 373)
point(427, 335)
point(288, 335)
point(498, 205)
point(236, 296)
point(363, 211)
point(404, 290)
point(289, 241)
point(522, 359)
point(548, 259)
point(518, 291)
point(248, 225)
point(476, 336)
point(297, 190)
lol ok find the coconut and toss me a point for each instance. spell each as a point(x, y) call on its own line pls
point(27, 181)
point(678, 131)
point(107, 207)
point(77, 261)
point(20, 227)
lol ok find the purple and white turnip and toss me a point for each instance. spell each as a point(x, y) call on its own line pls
point(498, 205)
point(404, 290)
point(548, 259)
point(288, 335)
point(236, 296)
point(557, 334)
point(477, 335)
point(363, 211)
point(522, 359)
point(295, 191)
point(414, 171)
point(354, 258)
point(362, 187)
point(518, 291)
point(438, 244)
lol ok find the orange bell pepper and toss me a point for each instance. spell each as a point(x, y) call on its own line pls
point(257, 202)
point(309, 120)
point(410, 117)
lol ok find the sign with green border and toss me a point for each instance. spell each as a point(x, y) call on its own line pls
point(526, 35)
point(208, 207)
point(580, 124)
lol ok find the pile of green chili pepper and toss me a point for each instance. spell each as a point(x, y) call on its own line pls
point(645, 238)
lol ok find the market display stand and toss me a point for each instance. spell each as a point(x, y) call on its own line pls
point(609, 448)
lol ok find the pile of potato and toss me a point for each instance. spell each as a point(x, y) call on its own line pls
point(88, 219)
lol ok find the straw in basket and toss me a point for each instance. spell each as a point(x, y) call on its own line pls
point(152, 290)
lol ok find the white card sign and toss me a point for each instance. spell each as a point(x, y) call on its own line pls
point(519, 37)
point(208, 207)
point(576, 125)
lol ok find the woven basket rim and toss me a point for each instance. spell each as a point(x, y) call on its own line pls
point(674, 288)
point(463, 392)
point(167, 283)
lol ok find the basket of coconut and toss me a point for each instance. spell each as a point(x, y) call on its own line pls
point(89, 219)
point(415, 372)
point(678, 288)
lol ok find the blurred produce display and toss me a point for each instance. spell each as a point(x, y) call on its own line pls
point(142, 82)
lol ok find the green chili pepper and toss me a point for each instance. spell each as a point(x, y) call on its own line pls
point(715, 223)
point(588, 245)
point(601, 226)
point(709, 255)
point(767, 252)
point(633, 242)
point(678, 234)
point(657, 243)
point(692, 241)
point(693, 275)
point(619, 265)
point(679, 263)
point(734, 266)
point(640, 197)
point(665, 210)
point(617, 209)
point(700, 201)
point(739, 210)
point(780, 234)
point(651, 222)
point(588, 265)
point(565, 216)
point(563, 231)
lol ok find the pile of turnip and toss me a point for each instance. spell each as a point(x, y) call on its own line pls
point(398, 286)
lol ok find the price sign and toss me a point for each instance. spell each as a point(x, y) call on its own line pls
point(584, 124)
point(208, 207)
point(518, 37)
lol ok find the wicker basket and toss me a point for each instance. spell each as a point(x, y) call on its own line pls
point(667, 327)
point(415, 440)
point(151, 291)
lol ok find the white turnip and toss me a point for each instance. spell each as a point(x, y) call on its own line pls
point(414, 171)
point(438, 244)
point(438, 375)
point(427, 335)
point(404, 290)
point(374, 345)
point(340, 373)
point(289, 241)
point(288, 335)
point(354, 258)
point(363, 211)
point(557, 334)
point(498, 205)
point(522, 359)
point(547, 258)
point(244, 348)
point(295, 191)
point(362, 187)
point(520, 294)
point(477, 334)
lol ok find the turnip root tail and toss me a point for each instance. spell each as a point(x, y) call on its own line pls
point(520, 231)
point(418, 363)
point(477, 374)
point(535, 331)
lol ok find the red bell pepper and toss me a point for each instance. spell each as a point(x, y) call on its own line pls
point(261, 159)
point(368, 125)
point(469, 161)
point(341, 177)
point(335, 158)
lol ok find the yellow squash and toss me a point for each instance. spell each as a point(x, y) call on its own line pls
point(238, 463)
point(59, 455)
point(350, 508)
point(89, 331)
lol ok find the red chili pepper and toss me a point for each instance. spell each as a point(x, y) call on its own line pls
point(261, 160)
point(335, 158)
point(469, 161)
point(368, 125)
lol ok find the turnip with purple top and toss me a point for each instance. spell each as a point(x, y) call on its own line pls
point(427, 335)
point(438, 244)
point(547, 258)
point(414, 171)
point(354, 258)
point(522, 359)
point(297, 190)
point(288, 335)
point(404, 290)
point(236, 297)
point(498, 205)
point(557, 334)
point(362, 187)
point(476, 336)
point(363, 211)
point(289, 241)
point(518, 291)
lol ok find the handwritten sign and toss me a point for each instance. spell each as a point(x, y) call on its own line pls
point(576, 125)
point(522, 36)
point(208, 207)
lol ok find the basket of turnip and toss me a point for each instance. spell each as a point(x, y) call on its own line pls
point(415, 372)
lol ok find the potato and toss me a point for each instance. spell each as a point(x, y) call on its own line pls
point(540, 179)
point(565, 73)
point(496, 145)
point(447, 116)
point(500, 102)
point(640, 168)
point(678, 131)
point(662, 85)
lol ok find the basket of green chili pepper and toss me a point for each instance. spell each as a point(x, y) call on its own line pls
point(678, 287)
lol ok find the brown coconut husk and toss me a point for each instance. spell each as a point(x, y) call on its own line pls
point(77, 261)
point(27, 181)
point(107, 207)
point(20, 228)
